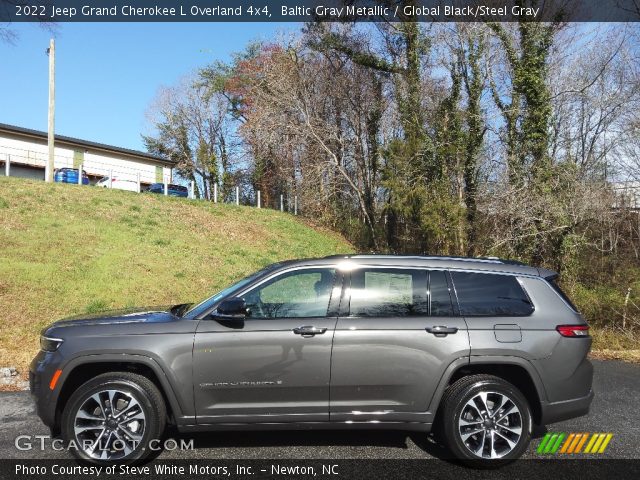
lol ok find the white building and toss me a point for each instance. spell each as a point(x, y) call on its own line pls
point(627, 195)
point(26, 152)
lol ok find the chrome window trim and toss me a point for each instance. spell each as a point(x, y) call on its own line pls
point(348, 264)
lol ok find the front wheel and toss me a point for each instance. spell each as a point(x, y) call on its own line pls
point(486, 420)
point(113, 418)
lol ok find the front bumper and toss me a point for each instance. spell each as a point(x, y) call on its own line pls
point(41, 370)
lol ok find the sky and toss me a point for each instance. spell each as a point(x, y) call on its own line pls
point(107, 74)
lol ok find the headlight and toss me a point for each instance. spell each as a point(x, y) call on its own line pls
point(49, 344)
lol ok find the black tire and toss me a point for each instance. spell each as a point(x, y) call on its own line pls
point(135, 386)
point(454, 404)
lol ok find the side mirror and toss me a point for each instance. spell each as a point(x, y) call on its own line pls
point(231, 309)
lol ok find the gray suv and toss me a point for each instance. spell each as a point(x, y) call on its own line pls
point(478, 349)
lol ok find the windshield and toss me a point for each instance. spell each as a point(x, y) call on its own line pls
point(207, 303)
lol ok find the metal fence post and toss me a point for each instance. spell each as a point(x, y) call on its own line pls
point(281, 203)
point(215, 193)
point(166, 186)
point(295, 205)
point(237, 195)
point(80, 173)
point(111, 178)
point(193, 190)
point(259, 202)
point(7, 165)
point(138, 181)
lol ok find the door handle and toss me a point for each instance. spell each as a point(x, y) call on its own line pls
point(441, 330)
point(309, 331)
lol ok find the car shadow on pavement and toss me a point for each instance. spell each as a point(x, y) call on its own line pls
point(428, 443)
point(313, 438)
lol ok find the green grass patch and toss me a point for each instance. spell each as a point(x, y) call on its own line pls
point(96, 306)
point(71, 250)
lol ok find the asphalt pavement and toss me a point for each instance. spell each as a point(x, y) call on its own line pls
point(614, 409)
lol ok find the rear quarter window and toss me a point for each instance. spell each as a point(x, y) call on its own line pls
point(488, 294)
point(553, 282)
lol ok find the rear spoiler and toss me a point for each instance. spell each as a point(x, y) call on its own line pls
point(552, 277)
point(548, 274)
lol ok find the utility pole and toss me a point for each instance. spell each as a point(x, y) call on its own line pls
point(51, 51)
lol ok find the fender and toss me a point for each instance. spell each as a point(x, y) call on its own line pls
point(181, 412)
point(486, 359)
point(512, 360)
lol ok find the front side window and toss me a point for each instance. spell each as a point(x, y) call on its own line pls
point(298, 294)
point(388, 293)
point(484, 294)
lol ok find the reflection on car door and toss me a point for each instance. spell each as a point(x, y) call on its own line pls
point(274, 366)
point(385, 364)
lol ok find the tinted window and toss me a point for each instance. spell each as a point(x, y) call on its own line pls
point(388, 293)
point(490, 294)
point(302, 293)
point(439, 295)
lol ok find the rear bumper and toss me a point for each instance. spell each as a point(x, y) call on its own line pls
point(553, 412)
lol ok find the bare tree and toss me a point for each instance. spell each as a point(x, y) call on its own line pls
point(194, 128)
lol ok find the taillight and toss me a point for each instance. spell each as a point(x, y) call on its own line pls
point(573, 330)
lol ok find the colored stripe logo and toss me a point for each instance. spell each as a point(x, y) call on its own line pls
point(573, 443)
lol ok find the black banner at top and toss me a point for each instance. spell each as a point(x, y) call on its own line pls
point(319, 10)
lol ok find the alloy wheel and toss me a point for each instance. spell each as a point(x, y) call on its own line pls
point(490, 425)
point(109, 425)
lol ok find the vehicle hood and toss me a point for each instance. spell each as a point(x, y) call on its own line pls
point(119, 317)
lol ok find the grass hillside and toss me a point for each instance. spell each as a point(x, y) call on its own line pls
point(66, 250)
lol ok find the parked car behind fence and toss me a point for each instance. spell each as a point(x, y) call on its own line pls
point(118, 184)
point(69, 175)
point(172, 190)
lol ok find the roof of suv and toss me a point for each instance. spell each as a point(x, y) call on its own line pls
point(492, 264)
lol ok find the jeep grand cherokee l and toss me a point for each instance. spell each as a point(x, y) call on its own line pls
point(481, 348)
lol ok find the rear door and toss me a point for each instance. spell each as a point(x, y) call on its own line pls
point(397, 332)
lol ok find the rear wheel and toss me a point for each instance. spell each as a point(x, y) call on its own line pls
point(486, 420)
point(113, 417)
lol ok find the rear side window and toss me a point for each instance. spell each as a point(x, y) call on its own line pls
point(553, 281)
point(484, 294)
point(388, 293)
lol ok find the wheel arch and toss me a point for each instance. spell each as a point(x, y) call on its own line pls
point(514, 370)
point(81, 369)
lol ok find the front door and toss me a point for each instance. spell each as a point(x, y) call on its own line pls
point(392, 345)
point(275, 365)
